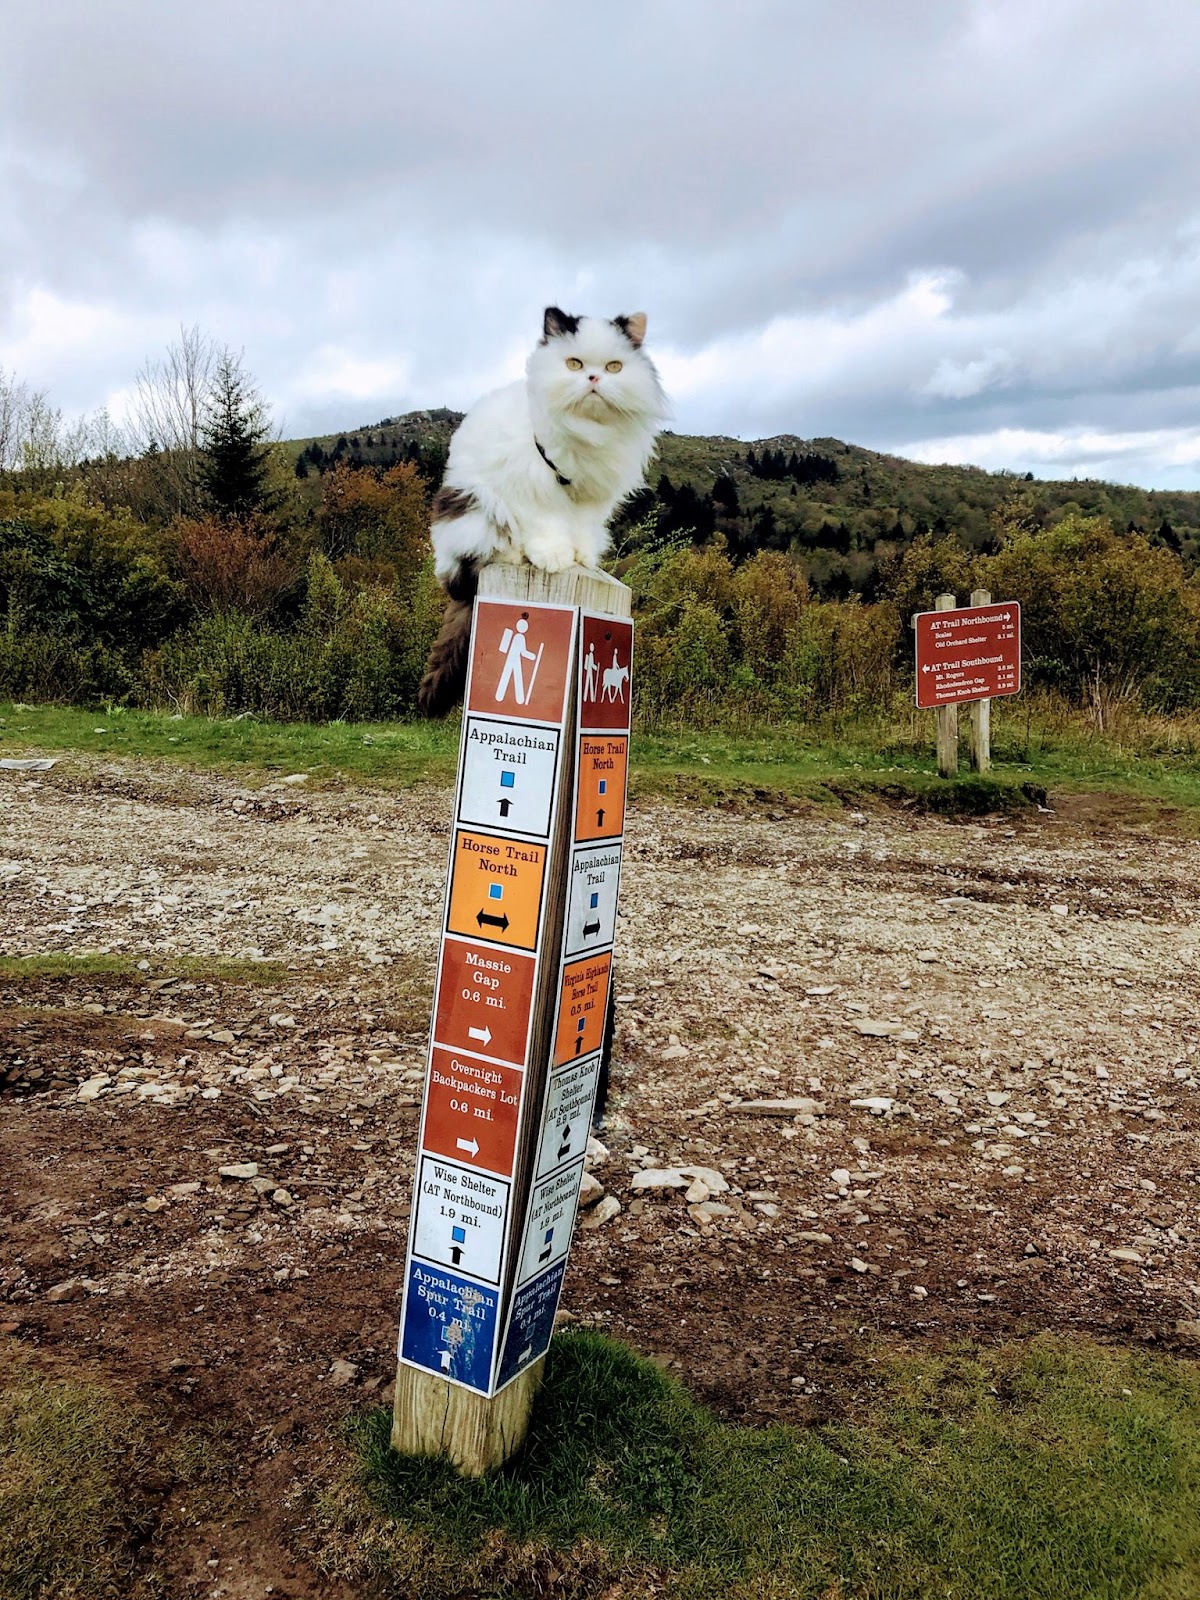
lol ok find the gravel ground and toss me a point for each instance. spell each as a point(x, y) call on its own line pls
point(974, 1047)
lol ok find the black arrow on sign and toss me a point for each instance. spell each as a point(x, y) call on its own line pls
point(455, 1254)
point(496, 922)
point(600, 818)
point(578, 1044)
point(505, 806)
point(590, 928)
point(566, 1138)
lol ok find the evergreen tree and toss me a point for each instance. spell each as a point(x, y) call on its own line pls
point(234, 463)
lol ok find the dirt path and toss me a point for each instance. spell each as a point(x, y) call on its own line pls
point(996, 1028)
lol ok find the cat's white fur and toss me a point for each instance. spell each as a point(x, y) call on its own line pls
point(597, 428)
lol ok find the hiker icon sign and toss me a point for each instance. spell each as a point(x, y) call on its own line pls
point(521, 660)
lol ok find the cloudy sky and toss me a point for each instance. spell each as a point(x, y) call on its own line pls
point(963, 230)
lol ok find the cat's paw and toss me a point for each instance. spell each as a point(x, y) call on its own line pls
point(551, 555)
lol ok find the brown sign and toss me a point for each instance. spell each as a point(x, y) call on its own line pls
point(606, 656)
point(521, 660)
point(484, 1001)
point(972, 653)
point(471, 1111)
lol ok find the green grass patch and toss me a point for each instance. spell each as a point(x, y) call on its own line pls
point(82, 1475)
point(386, 755)
point(59, 965)
point(1044, 1471)
point(1154, 770)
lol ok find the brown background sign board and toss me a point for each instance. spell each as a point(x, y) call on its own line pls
point(971, 653)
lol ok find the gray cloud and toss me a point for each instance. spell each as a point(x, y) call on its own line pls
point(376, 202)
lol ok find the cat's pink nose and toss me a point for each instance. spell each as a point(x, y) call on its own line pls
point(593, 377)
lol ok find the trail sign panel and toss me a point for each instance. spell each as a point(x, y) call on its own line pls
point(970, 653)
point(600, 786)
point(471, 1110)
point(449, 1325)
point(508, 776)
point(606, 698)
point(592, 899)
point(460, 1218)
point(531, 1321)
point(550, 1220)
point(582, 1007)
point(568, 1116)
point(521, 658)
point(484, 1001)
point(496, 889)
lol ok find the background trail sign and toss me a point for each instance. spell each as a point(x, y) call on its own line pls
point(522, 988)
point(970, 653)
point(966, 654)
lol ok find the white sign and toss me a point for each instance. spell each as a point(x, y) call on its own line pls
point(508, 771)
point(568, 1114)
point(551, 1218)
point(592, 898)
point(460, 1219)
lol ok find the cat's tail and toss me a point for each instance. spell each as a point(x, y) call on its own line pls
point(445, 678)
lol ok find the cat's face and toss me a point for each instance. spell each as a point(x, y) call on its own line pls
point(591, 367)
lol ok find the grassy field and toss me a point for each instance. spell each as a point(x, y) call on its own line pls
point(1150, 765)
point(1049, 1470)
point(1038, 1471)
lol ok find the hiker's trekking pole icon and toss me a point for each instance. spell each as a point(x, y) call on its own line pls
point(512, 648)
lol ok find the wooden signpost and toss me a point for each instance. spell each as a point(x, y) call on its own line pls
point(520, 1000)
point(966, 654)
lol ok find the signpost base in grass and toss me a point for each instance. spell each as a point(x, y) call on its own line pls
point(523, 980)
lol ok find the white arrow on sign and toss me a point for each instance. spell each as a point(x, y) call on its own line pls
point(484, 1035)
point(525, 1354)
point(471, 1145)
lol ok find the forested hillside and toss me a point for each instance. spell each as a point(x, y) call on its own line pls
point(845, 511)
point(190, 561)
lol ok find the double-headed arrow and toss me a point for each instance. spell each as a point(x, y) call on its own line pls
point(589, 928)
point(484, 920)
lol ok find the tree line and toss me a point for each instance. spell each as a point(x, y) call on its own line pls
point(191, 560)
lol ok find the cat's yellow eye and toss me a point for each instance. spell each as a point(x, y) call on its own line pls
point(575, 364)
point(613, 366)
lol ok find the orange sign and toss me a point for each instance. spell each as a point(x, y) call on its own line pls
point(600, 786)
point(521, 659)
point(496, 889)
point(581, 1007)
point(484, 1001)
point(471, 1111)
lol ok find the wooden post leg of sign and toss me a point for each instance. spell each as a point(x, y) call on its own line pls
point(979, 732)
point(431, 1416)
point(947, 717)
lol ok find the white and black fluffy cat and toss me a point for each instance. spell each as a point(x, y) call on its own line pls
point(537, 468)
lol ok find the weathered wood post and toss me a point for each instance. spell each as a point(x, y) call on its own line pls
point(979, 726)
point(947, 716)
point(519, 1009)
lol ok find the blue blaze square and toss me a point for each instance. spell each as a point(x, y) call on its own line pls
point(594, 901)
point(459, 1235)
point(603, 785)
point(495, 891)
point(549, 1236)
point(581, 1025)
point(507, 779)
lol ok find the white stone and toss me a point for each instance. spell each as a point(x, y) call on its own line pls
point(598, 1215)
point(240, 1169)
point(94, 1087)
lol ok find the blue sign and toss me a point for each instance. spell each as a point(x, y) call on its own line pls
point(531, 1322)
point(449, 1326)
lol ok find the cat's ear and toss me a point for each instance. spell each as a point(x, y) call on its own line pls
point(633, 327)
point(556, 322)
